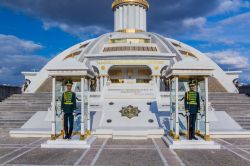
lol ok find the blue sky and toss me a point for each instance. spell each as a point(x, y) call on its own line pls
point(34, 31)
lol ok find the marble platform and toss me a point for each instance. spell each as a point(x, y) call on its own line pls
point(74, 143)
point(183, 143)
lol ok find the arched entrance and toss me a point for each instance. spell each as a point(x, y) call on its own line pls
point(130, 74)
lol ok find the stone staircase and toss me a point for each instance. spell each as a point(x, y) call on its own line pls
point(236, 105)
point(120, 101)
point(215, 86)
point(18, 108)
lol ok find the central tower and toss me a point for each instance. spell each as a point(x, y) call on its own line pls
point(130, 15)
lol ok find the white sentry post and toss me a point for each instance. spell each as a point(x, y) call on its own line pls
point(82, 137)
point(53, 122)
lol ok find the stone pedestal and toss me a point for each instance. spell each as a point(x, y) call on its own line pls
point(183, 143)
point(74, 143)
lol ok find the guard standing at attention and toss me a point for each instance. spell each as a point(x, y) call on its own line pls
point(192, 107)
point(68, 106)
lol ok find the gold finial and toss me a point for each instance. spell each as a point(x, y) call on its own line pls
point(143, 3)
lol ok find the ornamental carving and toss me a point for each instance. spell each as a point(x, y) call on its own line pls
point(130, 111)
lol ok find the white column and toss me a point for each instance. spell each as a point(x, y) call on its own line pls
point(125, 16)
point(53, 105)
point(171, 115)
point(82, 109)
point(120, 18)
point(133, 15)
point(141, 17)
point(115, 20)
point(144, 20)
point(102, 82)
point(105, 80)
point(137, 16)
point(176, 108)
point(129, 17)
point(158, 82)
point(97, 83)
point(207, 134)
point(88, 132)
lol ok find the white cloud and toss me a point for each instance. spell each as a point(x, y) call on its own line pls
point(230, 31)
point(243, 19)
point(194, 22)
point(17, 55)
point(13, 45)
point(82, 32)
point(231, 59)
point(231, 5)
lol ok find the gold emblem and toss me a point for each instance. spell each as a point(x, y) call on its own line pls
point(130, 111)
point(103, 68)
point(156, 67)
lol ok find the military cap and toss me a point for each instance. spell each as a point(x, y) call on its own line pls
point(192, 82)
point(69, 82)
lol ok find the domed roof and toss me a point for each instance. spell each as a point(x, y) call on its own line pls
point(128, 44)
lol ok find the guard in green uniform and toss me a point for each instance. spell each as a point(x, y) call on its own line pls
point(68, 106)
point(192, 107)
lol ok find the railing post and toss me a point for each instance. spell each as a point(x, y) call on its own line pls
point(53, 109)
point(176, 137)
point(82, 136)
point(88, 132)
point(207, 133)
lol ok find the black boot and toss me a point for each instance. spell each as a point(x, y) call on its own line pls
point(194, 138)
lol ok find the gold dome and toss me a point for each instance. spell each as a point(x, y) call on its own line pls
point(143, 3)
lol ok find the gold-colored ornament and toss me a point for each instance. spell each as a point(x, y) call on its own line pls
point(156, 67)
point(103, 68)
point(130, 111)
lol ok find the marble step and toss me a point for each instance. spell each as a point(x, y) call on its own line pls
point(239, 109)
point(10, 124)
point(24, 109)
point(15, 117)
point(27, 101)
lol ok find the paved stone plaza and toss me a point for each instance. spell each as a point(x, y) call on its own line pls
point(27, 151)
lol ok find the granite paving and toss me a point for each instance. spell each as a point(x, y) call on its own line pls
point(211, 158)
point(110, 152)
point(122, 157)
point(49, 157)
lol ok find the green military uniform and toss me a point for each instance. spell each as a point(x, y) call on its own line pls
point(192, 106)
point(68, 106)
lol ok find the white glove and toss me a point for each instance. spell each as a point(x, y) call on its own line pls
point(188, 114)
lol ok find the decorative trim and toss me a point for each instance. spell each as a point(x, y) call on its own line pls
point(62, 134)
point(88, 132)
point(82, 137)
point(142, 3)
point(205, 137)
point(53, 137)
point(130, 30)
point(174, 136)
